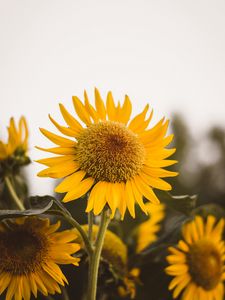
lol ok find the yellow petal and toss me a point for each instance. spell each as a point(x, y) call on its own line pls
point(58, 150)
point(23, 131)
point(159, 154)
point(155, 133)
point(58, 140)
point(138, 121)
point(11, 289)
point(3, 150)
point(176, 281)
point(138, 197)
point(200, 226)
point(70, 182)
point(209, 224)
point(155, 144)
point(160, 163)
point(92, 112)
point(64, 130)
point(110, 106)
point(54, 271)
point(25, 288)
point(81, 111)
point(190, 292)
point(218, 230)
point(181, 286)
point(183, 246)
point(33, 285)
point(99, 104)
point(91, 199)
point(53, 161)
point(113, 196)
point(80, 190)
point(177, 269)
point(5, 279)
point(146, 191)
point(176, 259)
point(60, 171)
point(158, 172)
point(130, 198)
point(125, 111)
point(100, 202)
point(122, 203)
point(70, 120)
point(155, 182)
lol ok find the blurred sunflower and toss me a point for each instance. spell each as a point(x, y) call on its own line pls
point(119, 160)
point(115, 254)
point(147, 231)
point(17, 139)
point(31, 250)
point(197, 263)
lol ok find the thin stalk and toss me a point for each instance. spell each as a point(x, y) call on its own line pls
point(13, 194)
point(90, 236)
point(90, 226)
point(65, 295)
point(95, 258)
point(83, 234)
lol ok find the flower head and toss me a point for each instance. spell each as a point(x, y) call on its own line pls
point(197, 263)
point(119, 161)
point(147, 231)
point(31, 250)
point(13, 152)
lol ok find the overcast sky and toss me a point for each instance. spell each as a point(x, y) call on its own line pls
point(168, 53)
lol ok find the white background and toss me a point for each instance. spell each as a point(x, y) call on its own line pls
point(168, 53)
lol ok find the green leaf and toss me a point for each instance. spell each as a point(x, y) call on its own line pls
point(39, 205)
point(210, 209)
point(56, 208)
point(184, 203)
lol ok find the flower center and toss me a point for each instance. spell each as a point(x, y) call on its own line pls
point(108, 151)
point(22, 251)
point(205, 264)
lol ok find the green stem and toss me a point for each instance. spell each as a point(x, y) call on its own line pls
point(64, 293)
point(13, 194)
point(90, 226)
point(83, 234)
point(95, 258)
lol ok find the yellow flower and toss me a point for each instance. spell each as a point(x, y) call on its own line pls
point(31, 250)
point(17, 140)
point(147, 231)
point(197, 263)
point(119, 161)
point(114, 251)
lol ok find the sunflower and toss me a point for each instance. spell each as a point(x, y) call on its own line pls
point(115, 253)
point(147, 231)
point(119, 161)
point(17, 140)
point(197, 263)
point(31, 250)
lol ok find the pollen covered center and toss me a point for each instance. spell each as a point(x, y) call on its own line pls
point(205, 264)
point(22, 251)
point(108, 151)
